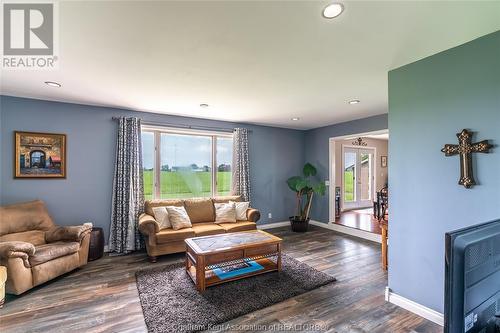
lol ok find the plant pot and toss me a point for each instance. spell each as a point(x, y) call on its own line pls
point(299, 225)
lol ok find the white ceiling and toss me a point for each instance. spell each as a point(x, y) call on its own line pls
point(253, 61)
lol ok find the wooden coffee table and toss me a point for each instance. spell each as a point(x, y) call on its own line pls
point(212, 260)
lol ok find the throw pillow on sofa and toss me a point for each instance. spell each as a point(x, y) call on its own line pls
point(225, 212)
point(178, 217)
point(241, 210)
point(161, 216)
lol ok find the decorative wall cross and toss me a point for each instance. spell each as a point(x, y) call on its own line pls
point(465, 148)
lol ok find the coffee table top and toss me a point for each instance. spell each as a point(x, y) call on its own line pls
point(215, 243)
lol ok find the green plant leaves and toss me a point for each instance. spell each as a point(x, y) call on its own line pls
point(296, 183)
point(309, 170)
point(319, 188)
point(305, 185)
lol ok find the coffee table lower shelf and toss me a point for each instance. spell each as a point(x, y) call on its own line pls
point(212, 279)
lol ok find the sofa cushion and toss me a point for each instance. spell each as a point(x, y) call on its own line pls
point(179, 218)
point(227, 198)
point(205, 229)
point(225, 212)
point(149, 204)
point(161, 217)
point(238, 226)
point(51, 251)
point(200, 210)
point(23, 217)
point(35, 237)
point(171, 235)
point(241, 209)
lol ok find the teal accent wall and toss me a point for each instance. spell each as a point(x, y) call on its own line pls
point(429, 102)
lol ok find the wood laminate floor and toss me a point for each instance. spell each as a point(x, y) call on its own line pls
point(102, 296)
point(360, 219)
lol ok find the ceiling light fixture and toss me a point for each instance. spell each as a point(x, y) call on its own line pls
point(295, 118)
point(53, 84)
point(354, 101)
point(203, 105)
point(333, 10)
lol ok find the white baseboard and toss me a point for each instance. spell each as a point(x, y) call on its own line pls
point(273, 225)
point(419, 309)
point(106, 248)
point(349, 231)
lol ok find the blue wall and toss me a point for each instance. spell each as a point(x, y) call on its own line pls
point(429, 101)
point(275, 155)
point(317, 152)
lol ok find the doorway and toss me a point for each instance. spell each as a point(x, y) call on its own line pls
point(37, 159)
point(357, 177)
point(358, 173)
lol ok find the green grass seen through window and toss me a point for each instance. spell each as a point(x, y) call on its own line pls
point(348, 186)
point(180, 185)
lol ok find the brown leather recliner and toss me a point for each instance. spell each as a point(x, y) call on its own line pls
point(34, 249)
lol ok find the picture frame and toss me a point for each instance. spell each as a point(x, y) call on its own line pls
point(39, 155)
point(383, 161)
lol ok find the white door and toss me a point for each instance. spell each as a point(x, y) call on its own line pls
point(357, 177)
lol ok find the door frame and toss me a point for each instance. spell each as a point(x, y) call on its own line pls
point(332, 167)
point(374, 173)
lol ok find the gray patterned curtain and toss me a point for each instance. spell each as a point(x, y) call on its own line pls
point(128, 188)
point(241, 164)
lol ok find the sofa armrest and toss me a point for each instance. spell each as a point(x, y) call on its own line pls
point(253, 215)
point(15, 249)
point(68, 234)
point(148, 225)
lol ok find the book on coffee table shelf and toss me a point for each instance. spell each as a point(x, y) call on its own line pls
point(238, 269)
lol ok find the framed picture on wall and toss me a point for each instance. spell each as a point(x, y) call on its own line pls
point(39, 155)
point(383, 161)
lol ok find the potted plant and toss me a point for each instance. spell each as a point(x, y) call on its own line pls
point(305, 188)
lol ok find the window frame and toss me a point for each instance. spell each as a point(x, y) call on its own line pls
point(159, 130)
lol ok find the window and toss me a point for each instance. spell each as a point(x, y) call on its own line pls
point(148, 153)
point(186, 164)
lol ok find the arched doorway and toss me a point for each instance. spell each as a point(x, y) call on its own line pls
point(37, 159)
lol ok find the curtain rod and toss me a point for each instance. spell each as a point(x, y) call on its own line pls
point(208, 128)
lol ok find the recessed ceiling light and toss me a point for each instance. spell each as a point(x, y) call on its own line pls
point(354, 101)
point(53, 84)
point(333, 10)
point(203, 105)
point(295, 118)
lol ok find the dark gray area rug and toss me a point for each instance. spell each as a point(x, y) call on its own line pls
point(171, 303)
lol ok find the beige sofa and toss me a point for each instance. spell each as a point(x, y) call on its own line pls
point(202, 215)
point(34, 249)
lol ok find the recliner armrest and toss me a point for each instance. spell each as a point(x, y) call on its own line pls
point(253, 215)
point(148, 225)
point(67, 233)
point(16, 249)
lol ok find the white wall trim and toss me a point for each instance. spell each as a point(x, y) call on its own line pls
point(350, 231)
point(273, 225)
point(419, 309)
point(106, 248)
